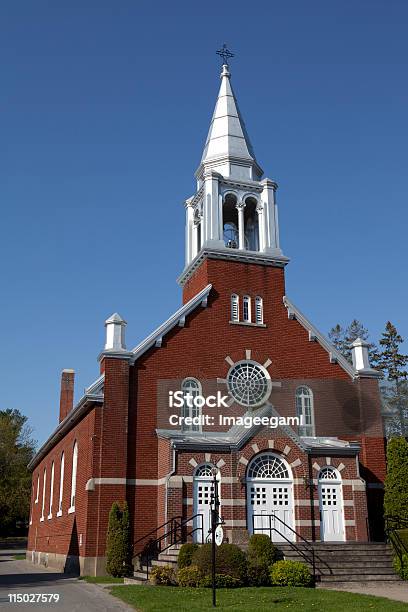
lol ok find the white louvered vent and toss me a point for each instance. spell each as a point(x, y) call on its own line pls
point(258, 310)
point(234, 307)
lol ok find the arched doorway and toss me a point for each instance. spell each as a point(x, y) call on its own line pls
point(331, 506)
point(270, 497)
point(203, 491)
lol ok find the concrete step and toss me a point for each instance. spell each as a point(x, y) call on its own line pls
point(169, 558)
point(339, 584)
point(138, 578)
point(161, 563)
point(358, 571)
point(360, 578)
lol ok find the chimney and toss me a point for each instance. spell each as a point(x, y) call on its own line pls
point(67, 393)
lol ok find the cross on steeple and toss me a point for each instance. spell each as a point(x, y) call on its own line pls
point(225, 54)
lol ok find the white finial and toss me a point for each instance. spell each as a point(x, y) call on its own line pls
point(359, 354)
point(225, 71)
point(115, 333)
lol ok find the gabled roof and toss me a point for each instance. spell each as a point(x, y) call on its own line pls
point(94, 393)
point(178, 318)
point(315, 336)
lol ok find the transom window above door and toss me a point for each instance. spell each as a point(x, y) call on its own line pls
point(268, 466)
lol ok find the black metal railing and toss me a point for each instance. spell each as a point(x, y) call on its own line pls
point(394, 524)
point(309, 555)
point(175, 531)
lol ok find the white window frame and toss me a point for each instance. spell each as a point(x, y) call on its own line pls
point(61, 487)
point(193, 411)
point(51, 490)
point(246, 302)
point(74, 478)
point(310, 426)
point(43, 494)
point(38, 489)
point(258, 310)
point(234, 308)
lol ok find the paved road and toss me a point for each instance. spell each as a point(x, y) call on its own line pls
point(75, 595)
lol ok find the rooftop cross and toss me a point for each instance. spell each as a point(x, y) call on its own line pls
point(225, 54)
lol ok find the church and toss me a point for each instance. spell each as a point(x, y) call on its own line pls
point(237, 383)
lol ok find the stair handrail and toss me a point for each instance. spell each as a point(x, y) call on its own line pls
point(154, 546)
point(155, 530)
point(392, 525)
point(316, 576)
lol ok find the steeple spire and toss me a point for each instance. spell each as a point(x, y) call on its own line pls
point(228, 149)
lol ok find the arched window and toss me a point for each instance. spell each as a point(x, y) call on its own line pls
point(51, 490)
point(61, 486)
point(38, 489)
point(329, 473)
point(204, 471)
point(268, 466)
point(191, 389)
point(230, 221)
point(258, 310)
point(304, 410)
point(43, 495)
point(246, 309)
point(234, 307)
point(74, 476)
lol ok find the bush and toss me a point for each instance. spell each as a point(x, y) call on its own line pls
point(186, 554)
point(222, 581)
point(163, 575)
point(401, 568)
point(290, 573)
point(230, 561)
point(261, 555)
point(189, 576)
point(396, 481)
point(118, 549)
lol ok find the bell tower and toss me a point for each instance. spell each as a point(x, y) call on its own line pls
point(233, 214)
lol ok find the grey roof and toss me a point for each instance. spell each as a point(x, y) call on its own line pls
point(227, 136)
point(94, 393)
point(115, 318)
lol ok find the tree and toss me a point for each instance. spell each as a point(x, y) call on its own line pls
point(392, 362)
point(17, 448)
point(118, 549)
point(396, 481)
point(342, 338)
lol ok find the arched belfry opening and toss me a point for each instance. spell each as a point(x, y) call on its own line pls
point(251, 227)
point(230, 221)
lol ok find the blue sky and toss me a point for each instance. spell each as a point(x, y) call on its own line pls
point(104, 109)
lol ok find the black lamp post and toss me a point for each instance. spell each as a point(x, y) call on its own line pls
point(214, 524)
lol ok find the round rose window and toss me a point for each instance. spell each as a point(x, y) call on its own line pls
point(249, 383)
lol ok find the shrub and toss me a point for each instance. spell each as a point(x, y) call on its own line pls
point(189, 576)
point(396, 481)
point(163, 575)
point(186, 554)
point(401, 568)
point(290, 573)
point(230, 561)
point(118, 549)
point(261, 555)
point(222, 581)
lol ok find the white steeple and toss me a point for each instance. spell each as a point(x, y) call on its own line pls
point(234, 213)
point(228, 149)
point(115, 333)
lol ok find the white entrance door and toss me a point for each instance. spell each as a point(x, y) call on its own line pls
point(331, 509)
point(267, 503)
point(203, 495)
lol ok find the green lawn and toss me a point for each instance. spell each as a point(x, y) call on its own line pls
point(146, 598)
point(101, 579)
point(19, 557)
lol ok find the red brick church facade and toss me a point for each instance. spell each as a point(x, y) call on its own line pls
point(236, 332)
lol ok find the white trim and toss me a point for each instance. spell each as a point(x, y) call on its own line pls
point(49, 517)
point(71, 509)
point(185, 310)
point(334, 354)
point(59, 513)
point(306, 522)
